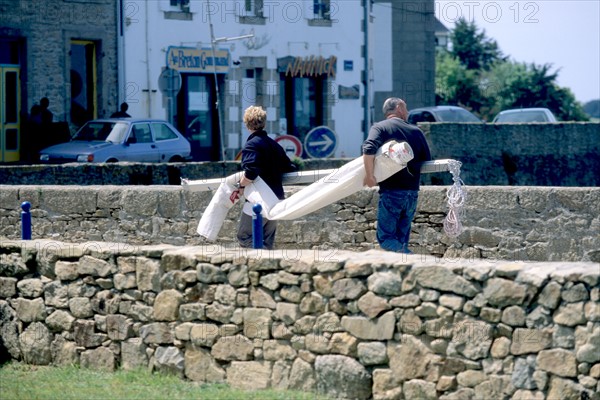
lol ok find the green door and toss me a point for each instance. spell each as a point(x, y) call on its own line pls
point(10, 140)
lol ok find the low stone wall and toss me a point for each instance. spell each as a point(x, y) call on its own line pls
point(500, 223)
point(561, 154)
point(537, 154)
point(129, 173)
point(349, 325)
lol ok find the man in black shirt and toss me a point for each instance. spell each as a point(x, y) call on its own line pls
point(399, 193)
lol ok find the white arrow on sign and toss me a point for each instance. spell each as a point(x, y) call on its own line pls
point(325, 143)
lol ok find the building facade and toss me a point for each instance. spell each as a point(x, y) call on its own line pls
point(302, 61)
point(62, 50)
point(320, 68)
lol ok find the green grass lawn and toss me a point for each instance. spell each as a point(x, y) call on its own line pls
point(29, 382)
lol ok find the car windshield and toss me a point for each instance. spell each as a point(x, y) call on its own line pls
point(523, 116)
point(456, 115)
point(102, 131)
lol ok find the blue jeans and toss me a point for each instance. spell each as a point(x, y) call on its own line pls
point(394, 217)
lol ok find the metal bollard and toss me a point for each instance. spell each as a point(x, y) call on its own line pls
point(26, 221)
point(257, 230)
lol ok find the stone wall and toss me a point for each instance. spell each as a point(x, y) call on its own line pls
point(500, 223)
point(350, 325)
point(561, 154)
point(564, 155)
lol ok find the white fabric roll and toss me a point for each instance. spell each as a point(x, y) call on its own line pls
point(213, 217)
point(390, 158)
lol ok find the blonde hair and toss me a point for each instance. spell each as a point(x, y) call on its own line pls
point(255, 118)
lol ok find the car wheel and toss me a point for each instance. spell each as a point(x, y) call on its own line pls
point(176, 159)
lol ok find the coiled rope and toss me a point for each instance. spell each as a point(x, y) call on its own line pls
point(457, 196)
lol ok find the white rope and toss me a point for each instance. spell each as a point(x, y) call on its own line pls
point(457, 196)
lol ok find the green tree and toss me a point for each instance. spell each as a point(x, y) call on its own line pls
point(520, 85)
point(473, 48)
point(475, 75)
point(455, 83)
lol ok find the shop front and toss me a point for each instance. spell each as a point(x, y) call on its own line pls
point(197, 104)
point(306, 98)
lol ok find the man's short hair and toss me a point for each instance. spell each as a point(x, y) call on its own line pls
point(255, 118)
point(390, 105)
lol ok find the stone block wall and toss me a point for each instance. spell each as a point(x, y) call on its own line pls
point(537, 154)
point(561, 155)
point(500, 223)
point(349, 325)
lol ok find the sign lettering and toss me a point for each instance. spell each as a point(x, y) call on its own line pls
point(299, 67)
point(190, 59)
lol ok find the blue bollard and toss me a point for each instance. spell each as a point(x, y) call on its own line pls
point(257, 230)
point(26, 221)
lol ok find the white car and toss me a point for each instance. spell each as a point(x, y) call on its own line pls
point(524, 115)
point(127, 139)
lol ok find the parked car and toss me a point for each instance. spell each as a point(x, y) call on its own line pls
point(114, 139)
point(525, 115)
point(441, 114)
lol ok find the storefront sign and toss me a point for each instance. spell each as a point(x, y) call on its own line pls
point(312, 66)
point(191, 59)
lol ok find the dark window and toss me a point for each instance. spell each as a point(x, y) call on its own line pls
point(180, 3)
point(141, 133)
point(254, 8)
point(321, 9)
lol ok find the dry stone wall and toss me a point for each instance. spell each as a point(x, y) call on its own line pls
point(349, 325)
point(500, 223)
point(565, 154)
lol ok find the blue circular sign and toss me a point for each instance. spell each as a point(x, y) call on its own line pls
point(320, 142)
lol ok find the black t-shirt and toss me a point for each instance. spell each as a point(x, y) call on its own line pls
point(401, 131)
point(264, 157)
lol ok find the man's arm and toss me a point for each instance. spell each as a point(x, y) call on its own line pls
point(369, 162)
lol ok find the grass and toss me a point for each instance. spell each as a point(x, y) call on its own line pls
point(21, 381)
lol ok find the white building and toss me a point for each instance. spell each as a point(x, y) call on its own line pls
point(303, 65)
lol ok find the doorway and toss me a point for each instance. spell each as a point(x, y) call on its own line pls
point(10, 100)
point(83, 82)
point(302, 104)
point(197, 117)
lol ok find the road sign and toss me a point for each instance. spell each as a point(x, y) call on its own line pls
point(169, 82)
point(291, 145)
point(320, 142)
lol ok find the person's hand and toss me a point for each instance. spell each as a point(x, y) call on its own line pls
point(370, 181)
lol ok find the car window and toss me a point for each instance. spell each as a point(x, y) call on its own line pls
point(428, 117)
point(457, 115)
point(524, 116)
point(94, 131)
point(415, 117)
point(162, 132)
point(141, 133)
point(118, 132)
